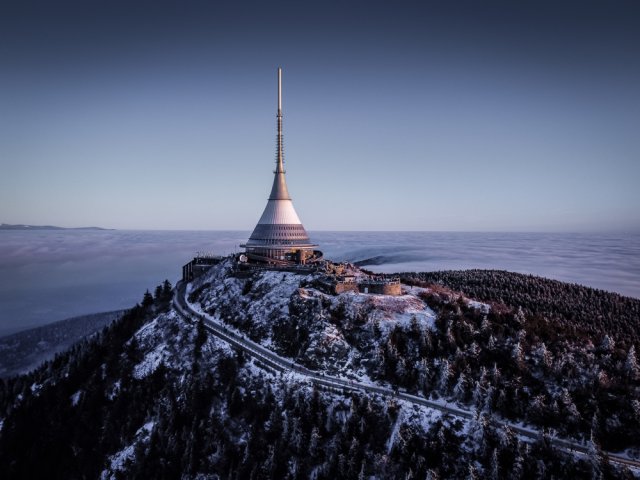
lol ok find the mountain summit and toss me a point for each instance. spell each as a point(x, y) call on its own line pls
point(271, 374)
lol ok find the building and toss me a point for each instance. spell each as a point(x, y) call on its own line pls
point(199, 265)
point(380, 285)
point(279, 237)
point(340, 278)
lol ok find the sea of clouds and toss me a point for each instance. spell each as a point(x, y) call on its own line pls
point(50, 275)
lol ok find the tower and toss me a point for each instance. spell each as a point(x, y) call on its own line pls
point(279, 237)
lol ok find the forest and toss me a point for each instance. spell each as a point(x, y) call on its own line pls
point(154, 396)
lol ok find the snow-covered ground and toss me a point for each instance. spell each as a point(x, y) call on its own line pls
point(119, 460)
point(335, 327)
point(262, 303)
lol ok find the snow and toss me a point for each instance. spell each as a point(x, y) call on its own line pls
point(75, 398)
point(114, 390)
point(388, 310)
point(410, 414)
point(382, 311)
point(413, 290)
point(276, 289)
point(147, 428)
point(150, 363)
point(483, 307)
point(265, 298)
point(119, 460)
point(160, 346)
point(255, 304)
point(394, 432)
point(280, 285)
point(266, 301)
point(270, 293)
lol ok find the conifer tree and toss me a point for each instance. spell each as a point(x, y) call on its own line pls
point(517, 467)
point(494, 472)
point(158, 294)
point(631, 363)
point(147, 300)
point(596, 458)
point(608, 344)
point(460, 388)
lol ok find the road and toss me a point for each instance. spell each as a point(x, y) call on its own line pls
point(281, 364)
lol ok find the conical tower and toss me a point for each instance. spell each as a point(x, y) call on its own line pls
point(279, 236)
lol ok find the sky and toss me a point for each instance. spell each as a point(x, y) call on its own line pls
point(455, 116)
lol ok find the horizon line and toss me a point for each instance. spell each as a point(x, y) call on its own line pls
point(107, 229)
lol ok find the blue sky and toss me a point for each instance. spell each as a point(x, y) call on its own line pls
point(500, 116)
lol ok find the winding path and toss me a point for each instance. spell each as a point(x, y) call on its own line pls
point(284, 365)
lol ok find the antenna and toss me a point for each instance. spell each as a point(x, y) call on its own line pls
point(279, 190)
point(280, 152)
point(279, 89)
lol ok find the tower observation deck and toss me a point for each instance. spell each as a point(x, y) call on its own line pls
point(279, 237)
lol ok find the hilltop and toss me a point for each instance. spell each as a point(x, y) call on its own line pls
point(157, 395)
point(6, 226)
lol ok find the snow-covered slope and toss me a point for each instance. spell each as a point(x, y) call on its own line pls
point(157, 396)
point(486, 357)
point(340, 334)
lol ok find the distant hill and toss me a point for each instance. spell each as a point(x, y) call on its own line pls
point(6, 226)
point(24, 351)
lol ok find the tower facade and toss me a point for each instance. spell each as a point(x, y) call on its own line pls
point(279, 236)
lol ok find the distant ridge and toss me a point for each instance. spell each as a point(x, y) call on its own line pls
point(6, 226)
point(23, 351)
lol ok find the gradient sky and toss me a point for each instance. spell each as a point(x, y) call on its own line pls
point(473, 115)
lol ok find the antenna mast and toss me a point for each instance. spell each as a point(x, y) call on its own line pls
point(280, 146)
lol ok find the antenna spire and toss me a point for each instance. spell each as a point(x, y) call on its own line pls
point(279, 190)
point(280, 146)
point(279, 89)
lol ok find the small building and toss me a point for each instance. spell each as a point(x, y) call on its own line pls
point(381, 285)
point(337, 284)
